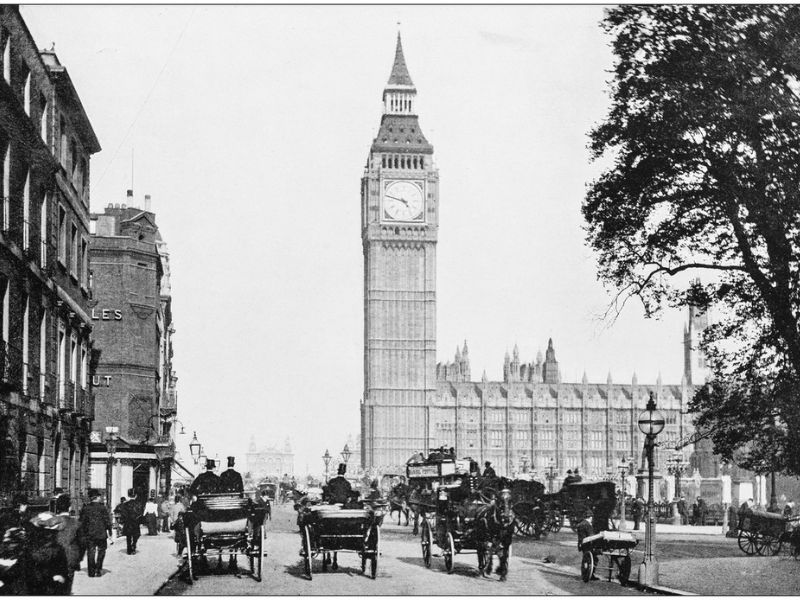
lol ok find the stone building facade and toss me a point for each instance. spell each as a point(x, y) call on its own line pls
point(46, 143)
point(269, 461)
point(133, 376)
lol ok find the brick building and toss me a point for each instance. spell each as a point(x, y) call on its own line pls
point(46, 142)
point(133, 376)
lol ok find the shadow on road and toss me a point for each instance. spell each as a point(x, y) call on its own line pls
point(437, 564)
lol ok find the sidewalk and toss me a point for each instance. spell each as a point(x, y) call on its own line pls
point(684, 529)
point(140, 574)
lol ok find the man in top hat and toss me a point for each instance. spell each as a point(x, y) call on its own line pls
point(230, 480)
point(338, 489)
point(488, 470)
point(207, 482)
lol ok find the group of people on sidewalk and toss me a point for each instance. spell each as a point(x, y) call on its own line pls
point(40, 553)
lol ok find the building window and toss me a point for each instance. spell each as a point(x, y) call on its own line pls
point(26, 212)
point(26, 94)
point(571, 417)
point(62, 352)
point(496, 439)
point(43, 231)
point(546, 439)
point(25, 341)
point(43, 120)
point(7, 188)
point(73, 248)
point(73, 160)
point(7, 57)
point(596, 440)
point(62, 129)
point(623, 440)
point(73, 359)
point(62, 235)
point(42, 352)
point(6, 291)
point(84, 262)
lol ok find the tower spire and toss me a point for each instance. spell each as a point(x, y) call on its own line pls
point(399, 75)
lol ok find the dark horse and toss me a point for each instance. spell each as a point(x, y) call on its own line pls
point(495, 526)
point(421, 501)
point(398, 502)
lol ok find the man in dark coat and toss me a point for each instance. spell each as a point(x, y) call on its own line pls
point(131, 512)
point(230, 480)
point(682, 511)
point(638, 511)
point(207, 482)
point(488, 471)
point(584, 529)
point(68, 536)
point(95, 528)
point(570, 478)
point(338, 489)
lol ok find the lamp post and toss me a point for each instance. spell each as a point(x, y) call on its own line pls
point(622, 467)
point(195, 448)
point(346, 454)
point(112, 435)
point(651, 423)
point(551, 474)
point(326, 458)
point(676, 467)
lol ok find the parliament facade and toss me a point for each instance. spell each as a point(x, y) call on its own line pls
point(411, 404)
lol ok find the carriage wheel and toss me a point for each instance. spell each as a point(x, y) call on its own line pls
point(307, 550)
point(189, 555)
point(257, 562)
point(426, 541)
point(747, 542)
point(557, 523)
point(624, 573)
point(449, 553)
point(587, 566)
point(767, 545)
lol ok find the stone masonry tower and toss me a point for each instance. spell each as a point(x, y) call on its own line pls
point(399, 223)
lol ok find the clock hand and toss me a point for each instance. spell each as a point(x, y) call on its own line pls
point(398, 199)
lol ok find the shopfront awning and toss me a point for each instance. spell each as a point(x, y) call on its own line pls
point(181, 473)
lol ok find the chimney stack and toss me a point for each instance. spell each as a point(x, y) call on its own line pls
point(147, 202)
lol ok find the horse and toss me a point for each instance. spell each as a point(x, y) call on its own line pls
point(421, 501)
point(398, 502)
point(495, 527)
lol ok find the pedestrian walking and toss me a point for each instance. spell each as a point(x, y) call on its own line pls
point(131, 512)
point(695, 513)
point(68, 536)
point(682, 511)
point(176, 518)
point(151, 516)
point(46, 571)
point(702, 512)
point(163, 514)
point(95, 528)
point(636, 512)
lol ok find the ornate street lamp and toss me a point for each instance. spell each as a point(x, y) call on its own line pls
point(550, 473)
point(622, 467)
point(112, 436)
point(195, 448)
point(676, 467)
point(346, 454)
point(651, 423)
point(326, 458)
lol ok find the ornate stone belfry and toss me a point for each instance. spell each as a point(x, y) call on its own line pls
point(399, 223)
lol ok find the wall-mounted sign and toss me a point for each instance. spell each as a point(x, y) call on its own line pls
point(105, 378)
point(107, 314)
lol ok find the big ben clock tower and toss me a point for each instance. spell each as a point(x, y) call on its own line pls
point(399, 222)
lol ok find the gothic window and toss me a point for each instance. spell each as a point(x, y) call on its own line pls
point(596, 440)
point(7, 57)
point(62, 235)
point(496, 439)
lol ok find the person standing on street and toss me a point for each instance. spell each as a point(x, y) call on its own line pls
point(130, 512)
point(95, 528)
point(682, 511)
point(68, 537)
point(163, 514)
point(151, 516)
point(638, 512)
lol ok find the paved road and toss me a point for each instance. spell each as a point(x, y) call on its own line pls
point(400, 571)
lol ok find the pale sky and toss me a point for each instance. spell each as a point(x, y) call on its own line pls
point(250, 127)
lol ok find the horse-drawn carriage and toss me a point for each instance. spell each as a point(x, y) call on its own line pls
point(529, 508)
point(269, 491)
point(424, 476)
point(328, 529)
point(766, 533)
point(225, 525)
point(572, 501)
point(616, 546)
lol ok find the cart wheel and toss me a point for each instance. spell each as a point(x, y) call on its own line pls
point(587, 566)
point(307, 550)
point(747, 542)
point(624, 573)
point(189, 555)
point(766, 545)
point(557, 523)
point(425, 542)
point(449, 553)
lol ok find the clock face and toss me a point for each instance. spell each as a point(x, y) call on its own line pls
point(403, 201)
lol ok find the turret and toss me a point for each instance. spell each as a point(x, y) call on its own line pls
point(550, 372)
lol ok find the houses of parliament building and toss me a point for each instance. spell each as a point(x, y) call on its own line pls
point(411, 403)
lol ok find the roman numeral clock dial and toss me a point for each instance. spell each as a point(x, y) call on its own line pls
point(403, 201)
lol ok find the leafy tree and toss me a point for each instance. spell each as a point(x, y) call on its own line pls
point(703, 136)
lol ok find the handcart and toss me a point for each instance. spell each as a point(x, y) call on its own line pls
point(616, 545)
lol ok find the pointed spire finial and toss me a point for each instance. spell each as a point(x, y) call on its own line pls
point(466, 350)
point(634, 379)
point(584, 379)
point(609, 380)
point(400, 75)
point(484, 379)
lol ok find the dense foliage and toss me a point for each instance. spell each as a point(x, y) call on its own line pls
point(703, 136)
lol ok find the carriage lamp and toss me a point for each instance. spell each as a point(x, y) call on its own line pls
point(326, 458)
point(195, 448)
point(346, 453)
point(651, 423)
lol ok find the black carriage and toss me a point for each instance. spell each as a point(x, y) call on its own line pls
point(616, 546)
point(574, 499)
point(424, 476)
point(225, 525)
point(328, 529)
point(766, 533)
point(553, 512)
point(451, 529)
point(529, 508)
